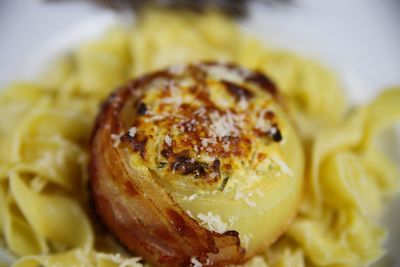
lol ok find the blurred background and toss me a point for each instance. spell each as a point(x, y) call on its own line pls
point(359, 38)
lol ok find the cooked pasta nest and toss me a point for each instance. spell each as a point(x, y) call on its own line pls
point(46, 217)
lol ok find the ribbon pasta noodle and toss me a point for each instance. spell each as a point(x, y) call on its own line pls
point(46, 218)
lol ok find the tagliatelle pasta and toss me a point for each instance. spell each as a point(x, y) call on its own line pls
point(46, 218)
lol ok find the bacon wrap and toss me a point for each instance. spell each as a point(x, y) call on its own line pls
point(136, 209)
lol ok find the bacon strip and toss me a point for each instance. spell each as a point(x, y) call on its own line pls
point(136, 209)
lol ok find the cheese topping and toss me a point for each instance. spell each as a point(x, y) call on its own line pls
point(204, 122)
point(213, 222)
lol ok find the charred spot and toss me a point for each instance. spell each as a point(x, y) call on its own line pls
point(228, 167)
point(196, 73)
point(161, 165)
point(137, 143)
point(224, 182)
point(276, 134)
point(262, 81)
point(167, 152)
point(236, 235)
point(269, 115)
point(237, 91)
point(141, 109)
point(216, 164)
point(142, 261)
point(232, 233)
point(258, 132)
point(215, 169)
point(185, 107)
point(186, 165)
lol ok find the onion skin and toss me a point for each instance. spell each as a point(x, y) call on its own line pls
point(137, 210)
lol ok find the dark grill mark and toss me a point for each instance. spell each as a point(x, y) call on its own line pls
point(237, 91)
point(263, 81)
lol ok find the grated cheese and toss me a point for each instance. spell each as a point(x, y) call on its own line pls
point(174, 167)
point(226, 145)
point(132, 132)
point(213, 222)
point(117, 139)
point(224, 125)
point(195, 262)
point(243, 104)
point(282, 165)
point(261, 123)
point(249, 202)
point(132, 262)
point(168, 140)
point(232, 219)
point(177, 69)
point(239, 195)
point(214, 175)
point(259, 192)
point(156, 117)
point(200, 111)
point(173, 100)
point(246, 240)
point(191, 198)
point(222, 73)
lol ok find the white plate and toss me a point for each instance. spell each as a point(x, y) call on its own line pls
point(359, 39)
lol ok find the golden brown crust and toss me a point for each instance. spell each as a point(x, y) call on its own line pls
point(137, 209)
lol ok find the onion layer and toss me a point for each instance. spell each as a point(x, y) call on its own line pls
point(167, 145)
